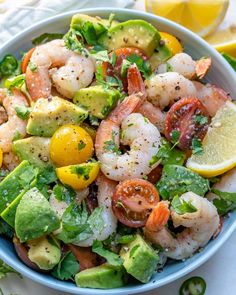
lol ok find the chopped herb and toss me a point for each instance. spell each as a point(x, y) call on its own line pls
point(101, 55)
point(111, 146)
point(8, 65)
point(230, 59)
point(124, 67)
point(22, 112)
point(46, 37)
point(114, 82)
point(73, 43)
point(200, 119)
point(63, 193)
point(93, 120)
point(5, 269)
point(143, 65)
point(112, 258)
point(81, 171)
point(113, 59)
point(169, 67)
point(225, 202)
point(15, 82)
point(89, 33)
point(33, 67)
point(180, 206)
point(131, 124)
point(99, 74)
point(175, 134)
point(67, 268)
point(81, 145)
point(126, 239)
point(196, 146)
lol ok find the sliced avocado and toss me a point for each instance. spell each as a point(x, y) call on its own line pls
point(15, 182)
point(101, 277)
point(34, 216)
point(162, 53)
point(140, 260)
point(45, 252)
point(98, 100)
point(34, 149)
point(132, 33)
point(49, 114)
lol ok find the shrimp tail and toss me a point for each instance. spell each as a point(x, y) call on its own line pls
point(158, 217)
point(135, 81)
point(202, 67)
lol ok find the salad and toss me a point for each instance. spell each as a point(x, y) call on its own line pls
point(116, 156)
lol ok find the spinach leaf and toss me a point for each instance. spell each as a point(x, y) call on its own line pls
point(181, 206)
point(168, 155)
point(46, 37)
point(67, 268)
point(225, 202)
point(112, 258)
point(177, 180)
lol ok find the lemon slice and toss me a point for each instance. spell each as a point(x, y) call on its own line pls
point(200, 16)
point(219, 144)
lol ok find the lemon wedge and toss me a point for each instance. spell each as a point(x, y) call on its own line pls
point(202, 17)
point(219, 144)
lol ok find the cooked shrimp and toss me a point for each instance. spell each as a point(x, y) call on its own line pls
point(183, 64)
point(53, 63)
point(164, 89)
point(10, 161)
point(200, 227)
point(14, 125)
point(137, 132)
point(106, 188)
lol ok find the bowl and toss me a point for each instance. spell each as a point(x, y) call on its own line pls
point(220, 74)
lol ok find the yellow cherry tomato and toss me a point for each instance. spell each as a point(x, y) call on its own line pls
point(1, 157)
point(172, 42)
point(78, 176)
point(70, 144)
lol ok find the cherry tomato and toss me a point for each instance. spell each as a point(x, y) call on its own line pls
point(155, 174)
point(26, 60)
point(186, 120)
point(121, 54)
point(85, 256)
point(172, 42)
point(133, 201)
point(78, 176)
point(70, 144)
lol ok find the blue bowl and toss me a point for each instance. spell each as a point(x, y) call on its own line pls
point(220, 74)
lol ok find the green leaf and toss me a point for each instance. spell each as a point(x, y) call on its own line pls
point(177, 180)
point(124, 67)
point(111, 146)
point(22, 112)
point(101, 56)
point(175, 134)
point(126, 239)
point(8, 65)
point(181, 206)
point(196, 146)
point(63, 193)
point(67, 268)
point(81, 145)
point(230, 59)
point(15, 82)
point(74, 41)
point(225, 202)
point(168, 155)
point(6, 269)
point(112, 258)
point(46, 37)
point(200, 119)
point(143, 65)
point(33, 67)
point(89, 33)
point(169, 67)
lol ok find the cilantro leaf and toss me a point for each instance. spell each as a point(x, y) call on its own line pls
point(22, 112)
point(175, 134)
point(46, 37)
point(89, 33)
point(225, 202)
point(124, 67)
point(168, 155)
point(143, 65)
point(101, 55)
point(63, 193)
point(126, 239)
point(200, 119)
point(33, 67)
point(67, 268)
point(180, 206)
point(112, 258)
point(6, 269)
point(230, 59)
point(111, 146)
point(81, 145)
point(196, 146)
point(15, 82)
point(74, 41)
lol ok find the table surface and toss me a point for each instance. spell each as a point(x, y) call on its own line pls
point(218, 282)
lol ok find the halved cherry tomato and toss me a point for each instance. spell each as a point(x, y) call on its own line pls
point(133, 201)
point(186, 120)
point(85, 256)
point(121, 54)
point(155, 174)
point(26, 60)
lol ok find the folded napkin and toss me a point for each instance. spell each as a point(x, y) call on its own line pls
point(17, 15)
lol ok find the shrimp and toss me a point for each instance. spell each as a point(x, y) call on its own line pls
point(183, 64)
point(10, 160)
point(106, 188)
point(164, 89)
point(53, 64)
point(137, 132)
point(200, 227)
point(14, 125)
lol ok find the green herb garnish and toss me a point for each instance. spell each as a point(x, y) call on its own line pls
point(23, 112)
point(180, 206)
point(111, 146)
point(197, 146)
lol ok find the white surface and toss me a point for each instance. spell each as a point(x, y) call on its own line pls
point(219, 272)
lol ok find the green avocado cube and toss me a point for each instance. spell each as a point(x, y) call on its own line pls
point(104, 276)
point(15, 182)
point(34, 149)
point(140, 260)
point(49, 114)
point(34, 216)
point(99, 101)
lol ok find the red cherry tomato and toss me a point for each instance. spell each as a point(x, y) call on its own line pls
point(133, 201)
point(85, 256)
point(186, 120)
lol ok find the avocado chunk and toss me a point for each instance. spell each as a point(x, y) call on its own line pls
point(45, 252)
point(162, 53)
point(34, 216)
point(132, 33)
point(98, 100)
point(49, 114)
point(104, 276)
point(34, 149)
point(140, 260)
point(15, 182)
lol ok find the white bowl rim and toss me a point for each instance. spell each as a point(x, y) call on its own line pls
point(61, 286)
